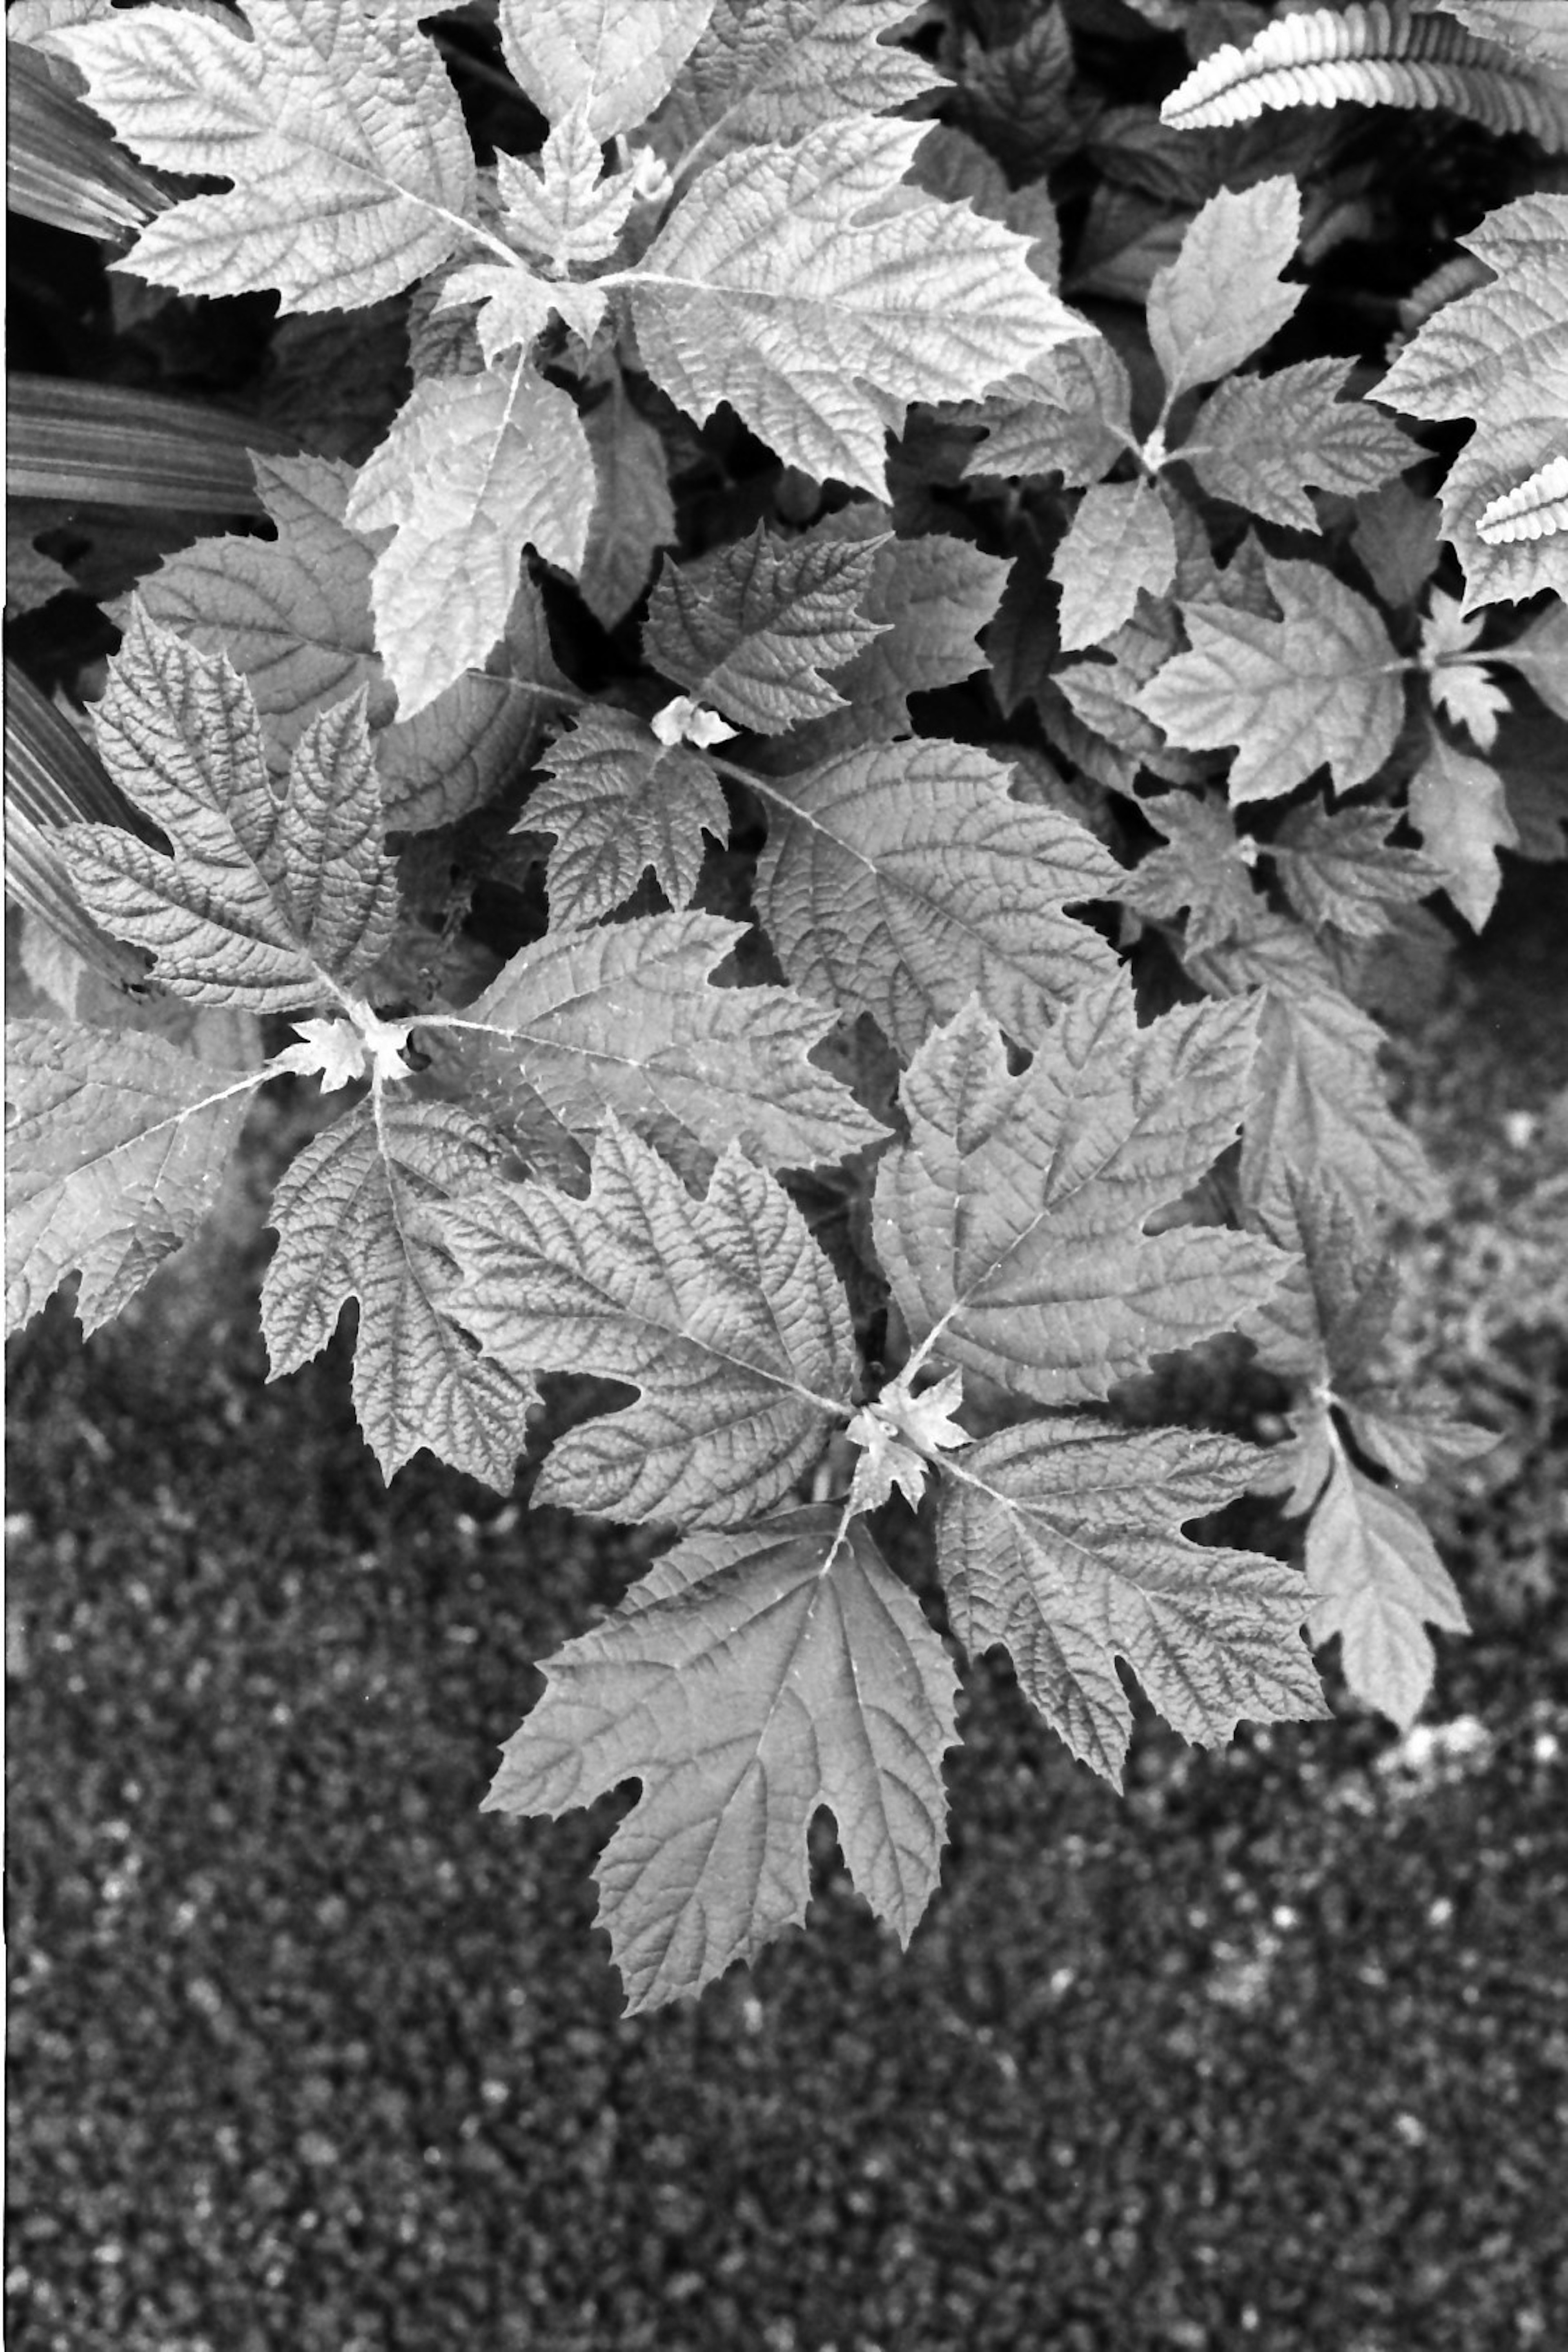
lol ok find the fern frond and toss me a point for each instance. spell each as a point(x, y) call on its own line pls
point(1377, 53)
point(1536, 509)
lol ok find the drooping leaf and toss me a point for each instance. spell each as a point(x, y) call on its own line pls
point(751, 629)
point(1460, 808)
point(633, 514)
point(267, 903)
point(1206, 868)
point(1321, 686)
point(1377, 1582)
point(1339, 868)
point(773, 69)
point(1062, 1540)
point(476, 468)
point(352, 1215)
point(611, 61)
point(748, 1679)
point(619, 802)
point(1260, 440)
point(723, 1313)
point(115, 1146)
point(1012, 1224)
point(567, 208)
point(1222, 299)
point(900, 877)
point(1118, 544)
point(351, 168)
point(624, 1021)
point(820, 296)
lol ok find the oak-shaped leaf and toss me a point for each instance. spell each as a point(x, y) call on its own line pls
point(1222, 298)
point(1205, 867)
point(293, 615)
point(610, 61)
point(1012, 1225)
point(1338, 868)
point(620, 801)
point(266, 902)
point(900, 877)
point(1377, 1581)
point(1061, 1541)
point(623, 1019)
point(722, 1312)
point(746, 1681)
point(1460, 808)
point(476, 468)
point(818, 294)
point(351, 166)
point(352, 1217)
point(751, 629)
point(566, 207)
point(633, 514)
point(115, 1146)
point(1321, 686)
point(1260, 441)
point(773, 69)
point(1120, 544)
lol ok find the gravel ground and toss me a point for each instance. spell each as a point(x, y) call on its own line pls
point(305, 2054)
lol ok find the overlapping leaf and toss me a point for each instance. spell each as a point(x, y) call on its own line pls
point(1071, 414)
point(900, 877)
point(746, 1681)
point(1338, 868)
point(352, 1219)
point(818, 294)
point(633, 514)
point(1120, 544)
point(751, 629)
point(771, 70)
point(619, 802)
point(1260, 440)
point(351, 168)
point(115, 1147)
point(722, 1312)
point(1062, 1540)
point(609, 60)
point(567, 208)
point(1205, 867)
point(265, 903)
point(1222, 299)
point(1012, 1224)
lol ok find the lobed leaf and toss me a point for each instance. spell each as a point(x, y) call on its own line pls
point(1460, 808)
point(619, 803)
point(773, 69)
point(610, 61)
point(633, 514)
point(1260, 440)
point(1221, 299)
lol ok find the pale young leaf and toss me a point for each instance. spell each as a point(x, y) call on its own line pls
point(620, 801)
point(750, 628)
point(339, 127)
point(1012, 1224)
point(1260, 441)
point(1338, 869)
point(475, 470)
point(1377, 1582)
point(1460, 808)
point(1205, 867)
point(266, 902)
point(633, 514)
point(683, 719)
point(115, 1147)
point(747, 1681)
point(771, 70)
point(901, 1435)
point(515, 307)
point(611, 61)
point(820, 296)
point(1321, 685)
point(1062, 1541)
point(722, 1312)
point(1221, 299)
point(1118, 544)
point(900, 877)
point(567, 208)
point(1540, 653)
point(624, 1020)
point(352, 1214)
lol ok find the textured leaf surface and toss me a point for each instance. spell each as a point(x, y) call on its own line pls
point(293, 615)
point(611, 61)
point(264, 902)
point(1321, 686)
point(619, 802)
point(1119, 542)
point(1261, 440)
point(1536, 29)
point(746, 1681)
point(1460, 808)
point(771, 69)
point(633, 514)
point(351, 168)
point(1206, 868)
point(1221, 299)
point(1012, 1224)
point(567, 208)
point(1061, 1541)
point(1339, 868)
point(1070, 413)
point(475, 470)
point(624, 1020)
point(115, 1147)
point(1377, 1582)
point(818, 295)
point(722, 1312)
point(751, 629)
point(900, 877)
point(349, 1214)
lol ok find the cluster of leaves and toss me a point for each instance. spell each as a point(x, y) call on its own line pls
point(876, 1085)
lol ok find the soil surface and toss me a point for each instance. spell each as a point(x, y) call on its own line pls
point(306, 2053)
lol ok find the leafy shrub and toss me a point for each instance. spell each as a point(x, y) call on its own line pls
point(838, 785)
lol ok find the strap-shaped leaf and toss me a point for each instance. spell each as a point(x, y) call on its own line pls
point(723, 1312)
